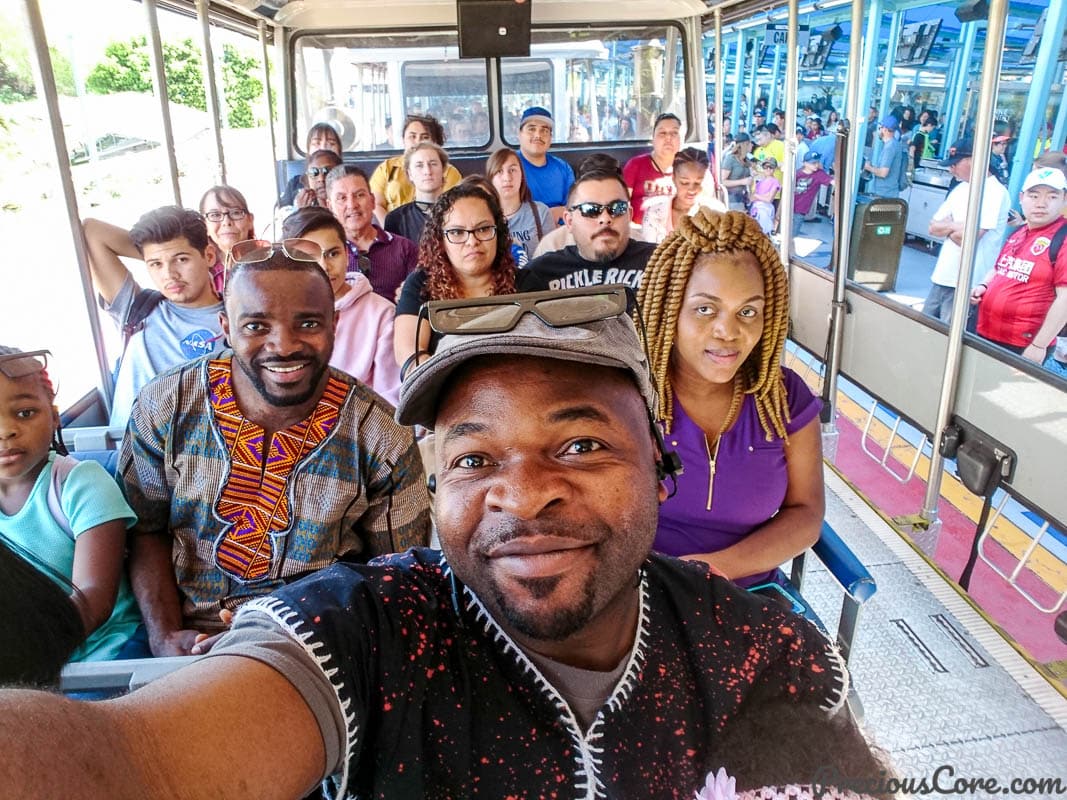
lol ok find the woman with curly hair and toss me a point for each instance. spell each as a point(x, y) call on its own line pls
point(715, 303)
point(465, 251)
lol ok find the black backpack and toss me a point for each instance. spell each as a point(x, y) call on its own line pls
point(144, 303)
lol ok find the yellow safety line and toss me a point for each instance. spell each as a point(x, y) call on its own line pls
point(1050, 569)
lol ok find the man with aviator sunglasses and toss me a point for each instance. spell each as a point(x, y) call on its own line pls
point(259, 464)
point(598, 216)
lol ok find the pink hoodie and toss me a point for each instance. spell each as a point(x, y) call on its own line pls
point(364, 344)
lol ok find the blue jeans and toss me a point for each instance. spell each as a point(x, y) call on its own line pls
point(939, 302)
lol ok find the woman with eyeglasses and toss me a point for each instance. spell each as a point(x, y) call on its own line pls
point(389, 183)
point(528, 219)
point(715, 303)
point(691, 192)
point(321, 136)
point(425, 166)
point(649, 175)
point(229, 221)
point(465, 251)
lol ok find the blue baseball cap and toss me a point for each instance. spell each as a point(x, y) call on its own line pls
point(812, 156)
point(889, 122)
point(536, 114)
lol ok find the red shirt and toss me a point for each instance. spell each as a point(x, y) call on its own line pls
point(1023, 287)
point(646, 180)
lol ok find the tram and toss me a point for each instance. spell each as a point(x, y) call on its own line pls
point(973, 675)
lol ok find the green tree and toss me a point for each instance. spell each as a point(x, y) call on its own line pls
point(16, 75)
point(242, 89)
point(125, 68)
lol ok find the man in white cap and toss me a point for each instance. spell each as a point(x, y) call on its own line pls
point(544, 652)
point(1022, 301)
point(548, 177)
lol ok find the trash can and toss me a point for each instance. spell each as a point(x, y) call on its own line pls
point(877, 241)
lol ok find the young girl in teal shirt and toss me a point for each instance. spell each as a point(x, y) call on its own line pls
point(87, 501)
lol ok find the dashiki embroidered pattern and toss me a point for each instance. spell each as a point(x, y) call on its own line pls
point(254, 500)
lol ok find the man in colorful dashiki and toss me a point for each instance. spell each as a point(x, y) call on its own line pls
point(258, 465)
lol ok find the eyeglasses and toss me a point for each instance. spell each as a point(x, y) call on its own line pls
point(485, 233)
point(314, 172)
point(593, 210)
point(217, 216)
point(251, 251)
point(558, 309)
point(19, 365)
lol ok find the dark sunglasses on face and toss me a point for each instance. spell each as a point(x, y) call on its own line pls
point(235, 214)
point(593, 210)
point(315, 172)
point(19, 365)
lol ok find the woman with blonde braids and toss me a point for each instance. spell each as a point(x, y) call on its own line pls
point(715, 304)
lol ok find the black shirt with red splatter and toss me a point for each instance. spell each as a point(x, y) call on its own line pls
point(418, 692)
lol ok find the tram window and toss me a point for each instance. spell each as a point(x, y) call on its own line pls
point(600, 84)
point(366, 84)
point(455, 92)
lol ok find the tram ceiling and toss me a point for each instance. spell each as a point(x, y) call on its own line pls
point(361, 14)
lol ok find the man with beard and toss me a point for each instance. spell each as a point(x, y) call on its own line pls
point(252, 467)
point(545, 653)
point(598, 216)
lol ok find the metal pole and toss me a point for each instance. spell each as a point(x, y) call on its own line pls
point(720, 82)
point(895, 21)
point(159, 80)
point(210, 89)
point(739, 84)
point(870, 70)
point(983, 135)
point(951, 123)
point(772, 95)
point(845, 163)
point(262, 26)
point(753, 80)
point(46, 90)
point(789, 168)
point(1060, 129)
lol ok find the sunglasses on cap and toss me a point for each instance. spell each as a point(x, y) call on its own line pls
point(593, 210)
point(502, 313)
point(19, 365)
point(252, 251)
point(217, 216)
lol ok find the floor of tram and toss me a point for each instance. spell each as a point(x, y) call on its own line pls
point(940, 686)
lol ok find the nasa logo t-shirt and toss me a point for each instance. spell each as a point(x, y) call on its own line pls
point(171, 336)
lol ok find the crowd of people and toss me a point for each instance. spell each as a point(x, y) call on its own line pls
point(1033, 314)
point(272, 507)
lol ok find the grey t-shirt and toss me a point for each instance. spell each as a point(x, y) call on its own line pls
point(171, 336)
point(260, 638)
point(735, 171)
point(523, 228)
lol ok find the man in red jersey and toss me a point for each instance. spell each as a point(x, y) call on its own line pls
point(1022, 302)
